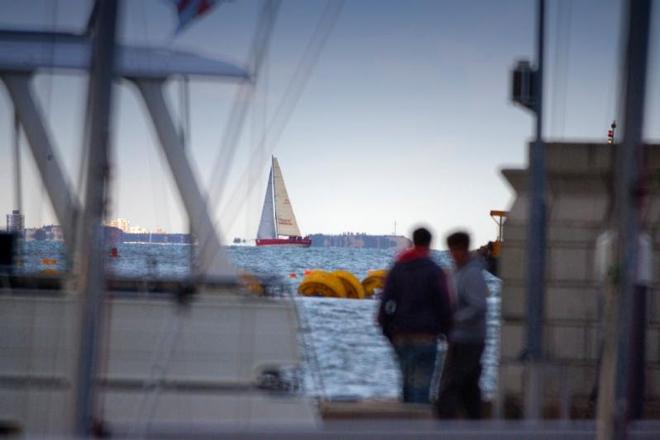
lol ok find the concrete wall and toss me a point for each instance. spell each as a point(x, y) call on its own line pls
point(579, 183)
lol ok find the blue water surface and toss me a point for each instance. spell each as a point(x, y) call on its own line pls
point(347, 356)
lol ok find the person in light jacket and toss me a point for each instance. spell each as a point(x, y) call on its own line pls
point(459, 386)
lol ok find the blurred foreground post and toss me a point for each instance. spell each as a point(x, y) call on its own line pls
point(536, 240)
point(614, 386)
point(90, 254)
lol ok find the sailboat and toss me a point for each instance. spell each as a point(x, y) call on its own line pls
point(277, 217)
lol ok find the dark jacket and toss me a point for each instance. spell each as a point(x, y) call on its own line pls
point(415, 299)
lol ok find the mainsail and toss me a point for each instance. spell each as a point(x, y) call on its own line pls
point(267, 223)
point(284, 218)
point(277, 216)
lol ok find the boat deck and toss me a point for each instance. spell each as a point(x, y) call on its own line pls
point(411, 429)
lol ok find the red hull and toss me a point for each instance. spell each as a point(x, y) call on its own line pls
point(299, 242)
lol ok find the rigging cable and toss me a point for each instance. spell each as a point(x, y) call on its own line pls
point(160, 363)
point(260, 123)
point(255, 132)
point(615, 94)
point(229, 143)
point(242, 99)
point(258, 129)
point(184, 110)
point(255, 177)
point(161, 187)
point(82, 167)
point(292, 94)
point(50, 48)
point(184, 133)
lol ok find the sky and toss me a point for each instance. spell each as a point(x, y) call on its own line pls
point(405, 119)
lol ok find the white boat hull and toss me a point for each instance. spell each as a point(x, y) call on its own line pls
point(162, 363)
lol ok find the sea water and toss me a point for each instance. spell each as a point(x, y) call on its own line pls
point(346, 355)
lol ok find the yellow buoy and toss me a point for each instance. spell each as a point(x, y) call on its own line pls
point(352, 285)
point(49, 272)
point(375, 279)
point(378, 272)
point(321, 283)
point(251, 283)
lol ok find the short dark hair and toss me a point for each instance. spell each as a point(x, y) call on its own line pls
point(459, 240)
point(422, 237)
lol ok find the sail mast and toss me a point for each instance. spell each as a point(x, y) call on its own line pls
point(272, 187)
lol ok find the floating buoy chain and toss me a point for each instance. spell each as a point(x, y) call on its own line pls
point(341, 284)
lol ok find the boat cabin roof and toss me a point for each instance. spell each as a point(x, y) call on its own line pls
point(27, 51)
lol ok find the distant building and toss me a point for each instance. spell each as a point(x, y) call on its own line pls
point(360, 240)
point(31, 234)
point(45, 233)
point(52, 233)
point(119, 223)
point(15, 222)
point(113, 235)
point(155, 237)
point(124, 225)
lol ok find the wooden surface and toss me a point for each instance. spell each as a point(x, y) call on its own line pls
point(374, 409)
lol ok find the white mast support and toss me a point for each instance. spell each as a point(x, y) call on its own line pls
point(212, 258)
point(22, 54)
point(23, 51)
point(30, 116)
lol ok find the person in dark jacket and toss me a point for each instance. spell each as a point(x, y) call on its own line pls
point(459, 387)
point(414, 310)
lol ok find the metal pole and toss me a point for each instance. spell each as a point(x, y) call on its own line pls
point(91, 253)
point(17, 163)
point(627, 197)
point(536, 240)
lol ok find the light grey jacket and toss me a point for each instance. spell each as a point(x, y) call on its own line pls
point(470, 307)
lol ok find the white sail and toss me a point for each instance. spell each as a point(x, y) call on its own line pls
point(284, 218)
point(267, 223)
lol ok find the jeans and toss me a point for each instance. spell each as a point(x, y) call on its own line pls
point(417, 364)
